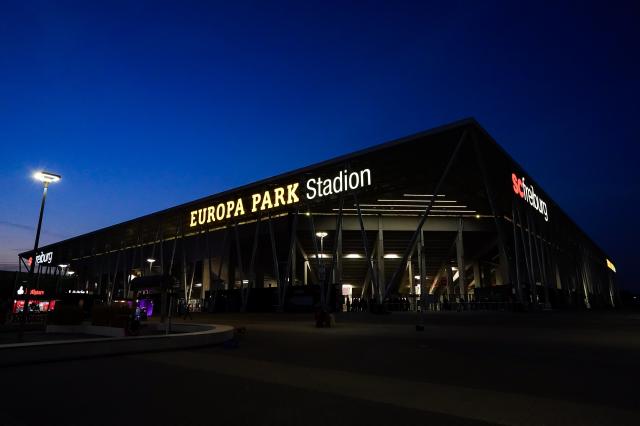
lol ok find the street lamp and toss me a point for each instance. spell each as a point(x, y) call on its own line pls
point(321, 270)
point(46, 178)
point(62, 267)
point(321, 235)
point(150, 260)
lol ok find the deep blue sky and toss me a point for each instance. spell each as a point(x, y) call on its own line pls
point(144, 105)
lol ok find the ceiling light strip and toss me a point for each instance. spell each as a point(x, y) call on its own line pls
point(408, 210)
point(404, 200)
point(414, 205)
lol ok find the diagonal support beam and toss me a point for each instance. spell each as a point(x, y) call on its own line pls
point(292, 240)
point(370, 267)
point(252, 272)
point(276, 267)
point(414, 237)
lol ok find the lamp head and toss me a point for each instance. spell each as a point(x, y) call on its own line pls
point(46, 177)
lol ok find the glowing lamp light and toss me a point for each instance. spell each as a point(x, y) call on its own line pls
point(392, 256)
point(63, 266)
point(347, 289)
point(70, 272)
point(46, 177)
point(353, 256)
point(151, 260)
point(321, 234)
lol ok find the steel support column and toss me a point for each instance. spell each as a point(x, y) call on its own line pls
point(460, 258)
point(380, 260)
point(292, 247)
point(423, 271)
point(370, 267)
point(276, 266)
point(515, 251)
point(252, 262)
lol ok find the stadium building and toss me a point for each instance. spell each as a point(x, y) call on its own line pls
point(441, 219)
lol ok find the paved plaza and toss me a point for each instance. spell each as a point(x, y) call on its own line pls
point(465, 368)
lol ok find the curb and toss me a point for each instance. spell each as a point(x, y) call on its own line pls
point(191, 335)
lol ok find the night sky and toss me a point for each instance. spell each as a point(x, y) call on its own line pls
point(145, 105)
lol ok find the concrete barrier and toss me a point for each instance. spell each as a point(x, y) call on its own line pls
point(186, 336)
point(94, 330)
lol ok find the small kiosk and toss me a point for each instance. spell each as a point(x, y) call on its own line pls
point(39, 301)
point(151, 293)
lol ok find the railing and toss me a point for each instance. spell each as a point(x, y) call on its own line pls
point(32, 318)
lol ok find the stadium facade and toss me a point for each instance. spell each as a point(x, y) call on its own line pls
point(443, 217)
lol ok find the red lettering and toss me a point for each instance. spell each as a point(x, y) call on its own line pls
point(521, 192)
point(516, 184)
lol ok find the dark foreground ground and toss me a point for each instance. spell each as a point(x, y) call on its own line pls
point(465, 368)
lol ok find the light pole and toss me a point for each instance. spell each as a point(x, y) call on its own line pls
point(46, 178)
point(322, 277)
point(150, 261)
point(321, 235)
point(62, 268)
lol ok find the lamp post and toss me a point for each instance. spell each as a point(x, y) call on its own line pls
point(62, 268)
point(321, 274)
point(321, 235)
point(46, 178)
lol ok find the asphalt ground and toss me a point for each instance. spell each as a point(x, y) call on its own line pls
point(464, 368)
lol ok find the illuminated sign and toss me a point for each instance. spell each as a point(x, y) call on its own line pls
point(280, 196)
point(32, 292)
point(260, 201)
point(44, 257)
point(527, 193)
point(344, 181)
point(610, 265)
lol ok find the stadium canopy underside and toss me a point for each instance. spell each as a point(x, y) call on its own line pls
point(444, 216)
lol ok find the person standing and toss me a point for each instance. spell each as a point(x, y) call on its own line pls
point(187, 311)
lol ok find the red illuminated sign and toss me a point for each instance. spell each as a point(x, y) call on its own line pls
point(35, 292)
point(527, 192)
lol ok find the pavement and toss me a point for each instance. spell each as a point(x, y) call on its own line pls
point(465, 368)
